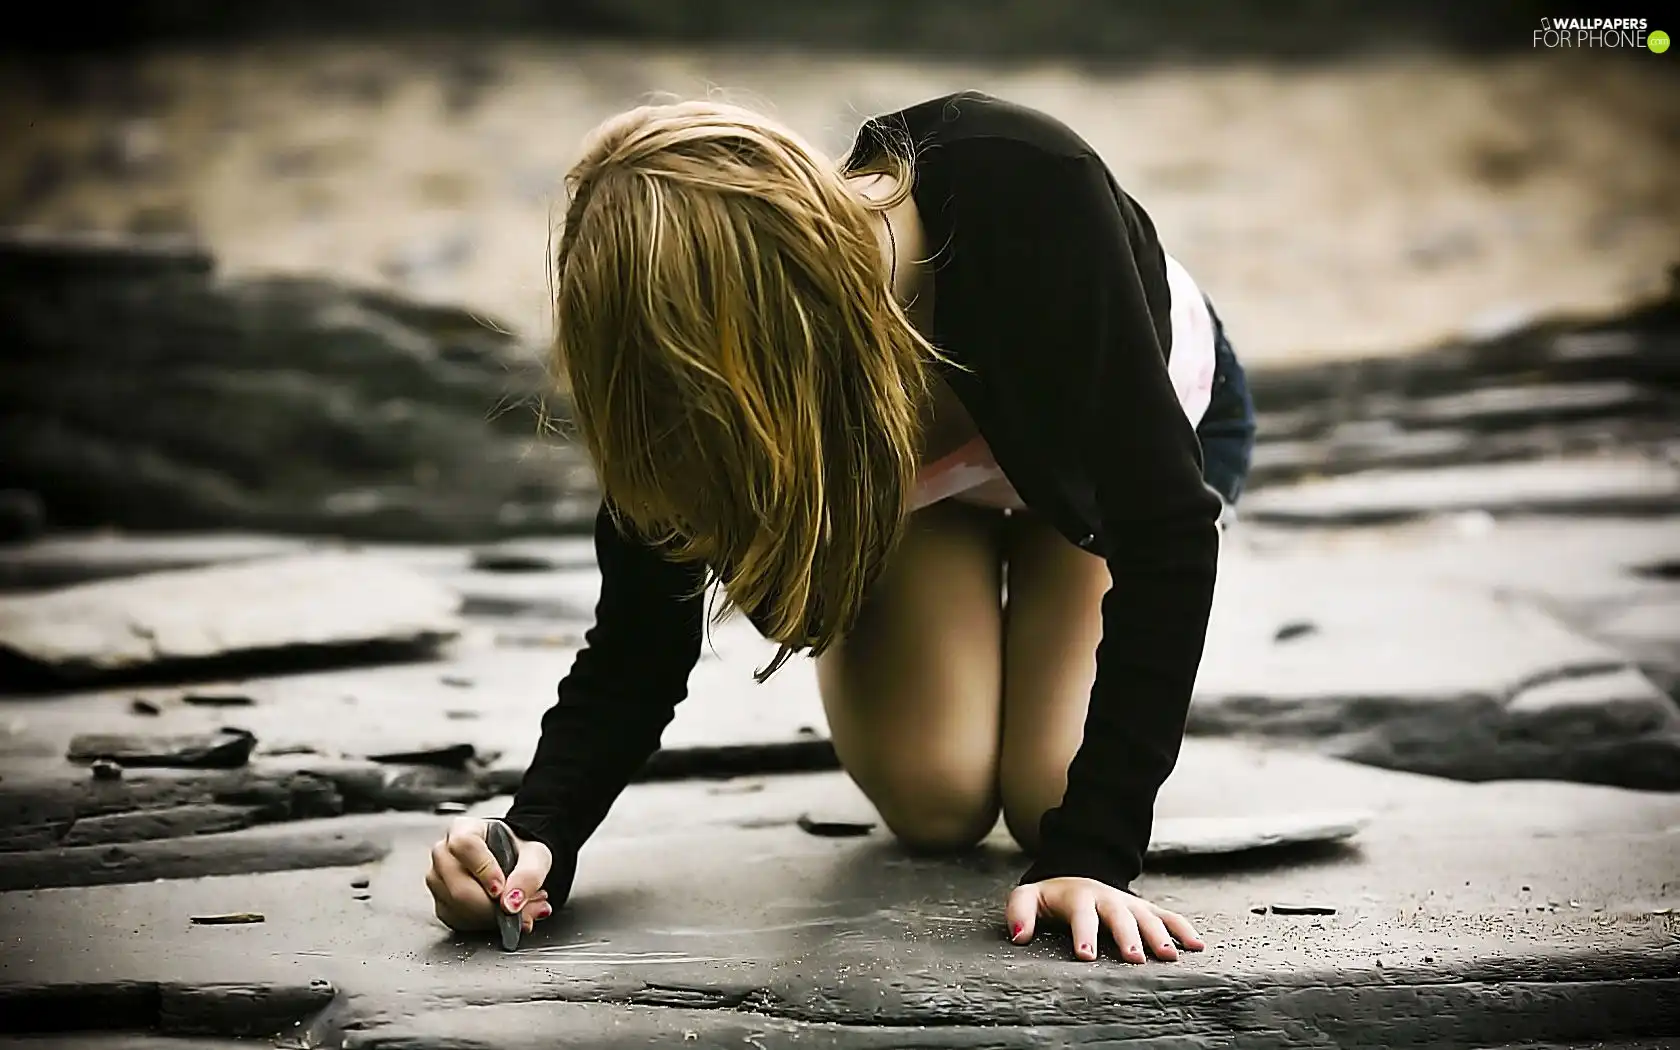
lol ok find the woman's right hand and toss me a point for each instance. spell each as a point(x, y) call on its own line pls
point(468, 885)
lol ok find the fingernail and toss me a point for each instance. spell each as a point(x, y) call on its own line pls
point(1015, 931)
point(544, 912)
point(515, 899)
point(495, 889)
point(1085, 949)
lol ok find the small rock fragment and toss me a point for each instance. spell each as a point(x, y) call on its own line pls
point(1429, 958)
point(446, 756)
point(237, 918)
point(105, 769)
point(225, 749)
point(218, 700)
point(460, 715)
point(1295, 629)
point(141, 706)
point(510, 558)
point(828, 827)
point(456, 681)
point(1258, 909)
point(450, 808)
point(1302, 909)
point(360, 882)
point(362, 897)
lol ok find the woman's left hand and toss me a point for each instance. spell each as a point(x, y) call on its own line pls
point(1087, 905)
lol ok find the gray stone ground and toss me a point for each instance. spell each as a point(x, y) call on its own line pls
point(1482, 703)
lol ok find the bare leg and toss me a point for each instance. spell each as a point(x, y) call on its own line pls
point(914, 692)
point(1052, 625)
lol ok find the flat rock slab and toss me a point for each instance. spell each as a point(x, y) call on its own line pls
point(1178, 838)
point(1584, 485)
point(1403, 656)
point(307, 602)
point(1467, 915)
point(60, 559)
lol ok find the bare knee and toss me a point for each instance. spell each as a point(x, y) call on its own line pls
point(935, 810)
point(1029, 791)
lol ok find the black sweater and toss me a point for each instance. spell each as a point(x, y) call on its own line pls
point(1051, 289)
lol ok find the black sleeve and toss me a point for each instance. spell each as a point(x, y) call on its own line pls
point(615, 702)
point(1088, 341)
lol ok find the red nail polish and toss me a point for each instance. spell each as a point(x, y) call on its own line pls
point(515, 898)
point(495, 889)
point(1015, 930)
point(1085, 949)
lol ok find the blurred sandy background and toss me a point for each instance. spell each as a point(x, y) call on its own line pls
point(1367, 206)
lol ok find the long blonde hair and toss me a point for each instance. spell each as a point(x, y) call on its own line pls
point(745, 383)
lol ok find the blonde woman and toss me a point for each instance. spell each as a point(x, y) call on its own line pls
point(857, 398)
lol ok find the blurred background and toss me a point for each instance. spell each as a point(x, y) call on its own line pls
point(282, 265)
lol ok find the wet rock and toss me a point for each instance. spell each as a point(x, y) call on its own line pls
point(139, 391)
point(317, 604)
point(227, 749)
point(1573, 486)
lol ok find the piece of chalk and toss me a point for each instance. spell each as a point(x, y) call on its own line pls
point(500, 840)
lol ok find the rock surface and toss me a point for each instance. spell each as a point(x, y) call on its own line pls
point(1527, 917)
point(1599, 486)
point(141, 390)
point(314, 602)
point(1446, 654)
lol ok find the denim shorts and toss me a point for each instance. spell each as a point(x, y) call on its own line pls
point(1227, 429)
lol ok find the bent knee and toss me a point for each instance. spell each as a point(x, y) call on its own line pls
point(1029, 793)
point(935, 811)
